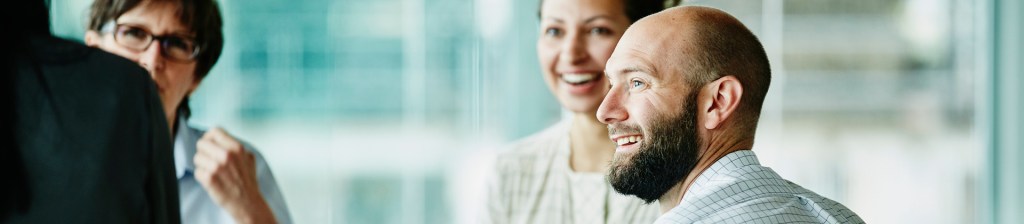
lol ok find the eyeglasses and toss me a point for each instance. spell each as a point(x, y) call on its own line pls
point(138, 39)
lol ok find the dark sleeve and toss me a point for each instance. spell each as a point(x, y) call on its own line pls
point(92, 140)
point(161, 186)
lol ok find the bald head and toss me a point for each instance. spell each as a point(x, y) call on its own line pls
point(686, 88)
point(700, 45)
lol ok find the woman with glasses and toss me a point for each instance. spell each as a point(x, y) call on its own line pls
point(558, 175)
point(220, 179)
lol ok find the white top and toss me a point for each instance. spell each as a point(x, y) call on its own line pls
point(197, 206)
point(737, 189)
point(533, 183)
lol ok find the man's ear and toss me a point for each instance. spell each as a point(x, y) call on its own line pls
point(92, 38)
point(725, 96)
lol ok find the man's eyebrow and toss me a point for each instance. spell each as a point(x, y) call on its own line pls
point(624, 71)
point(631, 69)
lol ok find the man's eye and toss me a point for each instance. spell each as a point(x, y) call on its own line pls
point(638, 84)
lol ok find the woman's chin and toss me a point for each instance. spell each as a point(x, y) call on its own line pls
point(580, 105)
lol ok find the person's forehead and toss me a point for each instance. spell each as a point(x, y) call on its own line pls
point(582, 9)
point(629, 59)
point(642, 49)
point(157, 17)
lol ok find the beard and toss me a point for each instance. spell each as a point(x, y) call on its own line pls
point(667, 154)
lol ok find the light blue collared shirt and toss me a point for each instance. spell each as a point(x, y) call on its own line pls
point(196, 204)
point(737, 189)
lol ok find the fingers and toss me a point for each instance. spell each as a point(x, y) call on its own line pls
point(216, 170)
point(225, 169)
point(204, 170)
point(220, 157)
point(222, 148)
point(209, 161)
point(221, 138)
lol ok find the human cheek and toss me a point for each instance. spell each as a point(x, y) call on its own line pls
point(640, 107)
point(547, 53)
point(659, 102)
point(601, 51)
point(180, 77)
point(110, 47)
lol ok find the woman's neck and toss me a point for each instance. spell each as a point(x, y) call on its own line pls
point(589, 146)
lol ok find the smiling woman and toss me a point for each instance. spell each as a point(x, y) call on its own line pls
point(577, 37)
point(366, 108)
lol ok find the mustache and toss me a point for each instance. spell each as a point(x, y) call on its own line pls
point(617, 129)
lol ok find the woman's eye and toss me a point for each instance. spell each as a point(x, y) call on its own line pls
point(638, 84)
point(554, 32)
point(600, 31)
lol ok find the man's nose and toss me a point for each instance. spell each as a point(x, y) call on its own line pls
point(611, 110)
point(152, 59)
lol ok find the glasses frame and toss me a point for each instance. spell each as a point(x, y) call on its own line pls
point(112, 27)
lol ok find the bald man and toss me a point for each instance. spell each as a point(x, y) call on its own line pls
point(687, 88)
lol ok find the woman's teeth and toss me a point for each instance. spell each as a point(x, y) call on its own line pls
point(627, 140)
point(578, 78)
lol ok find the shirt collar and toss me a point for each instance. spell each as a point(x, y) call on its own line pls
point(718, 173)
point(184, 147)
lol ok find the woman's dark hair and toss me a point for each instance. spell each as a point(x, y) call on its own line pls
point(638, 9)
point(202, 17)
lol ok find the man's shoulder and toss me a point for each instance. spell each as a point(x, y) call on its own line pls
point(805, 207)
point(80, 108)
point(763, 207)
point(84, 73)
point(87, 89)
point(57, 55)
point(756, 194)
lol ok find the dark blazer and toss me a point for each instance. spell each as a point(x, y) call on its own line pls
point(91, 143)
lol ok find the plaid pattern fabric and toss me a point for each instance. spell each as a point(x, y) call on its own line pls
point(533, 183)
point(737, 189)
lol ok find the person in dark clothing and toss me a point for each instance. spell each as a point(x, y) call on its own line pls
point(86, 140)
